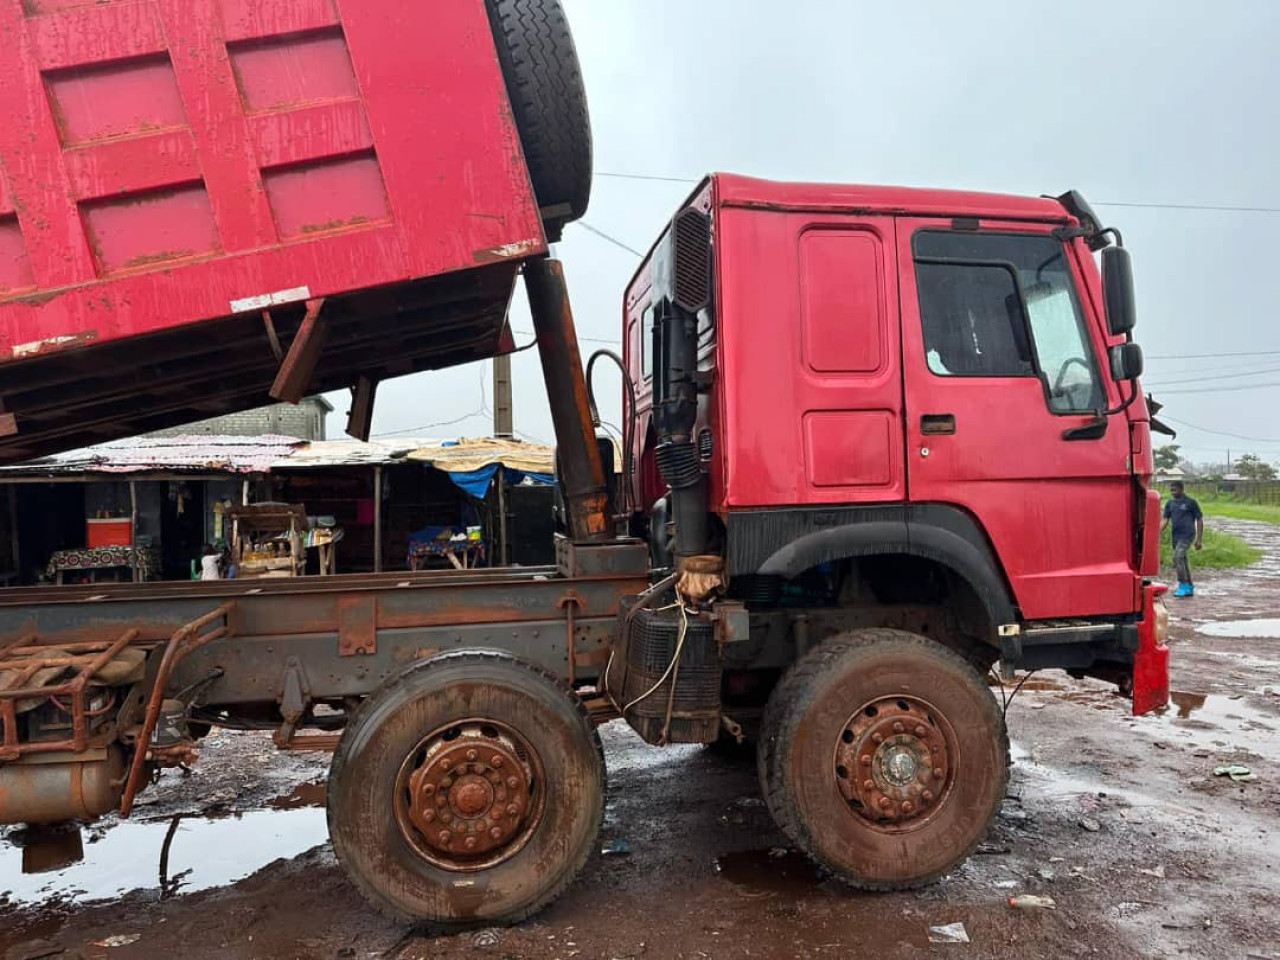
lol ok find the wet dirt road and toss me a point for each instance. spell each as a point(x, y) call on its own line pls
point(1121, 821)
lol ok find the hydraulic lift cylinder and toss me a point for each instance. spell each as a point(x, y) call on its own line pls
point(581, 468)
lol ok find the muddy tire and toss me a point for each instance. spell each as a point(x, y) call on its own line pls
point(884, 756)
point(544, 82)
point(470, 789)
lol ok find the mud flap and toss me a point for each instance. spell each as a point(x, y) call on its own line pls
point(1151, 661)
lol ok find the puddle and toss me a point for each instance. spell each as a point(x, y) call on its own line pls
point(182, 855)
point(761, 873)
point(1245, 629)
point(303, 795)
point(1215, 722)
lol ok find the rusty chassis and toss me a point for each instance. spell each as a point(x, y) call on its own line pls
point(297, 642)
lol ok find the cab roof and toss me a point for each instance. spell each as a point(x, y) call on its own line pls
point(732, 190)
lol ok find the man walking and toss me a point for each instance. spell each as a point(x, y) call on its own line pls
point(1183, 514)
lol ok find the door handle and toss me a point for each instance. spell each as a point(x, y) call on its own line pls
point(938, 423)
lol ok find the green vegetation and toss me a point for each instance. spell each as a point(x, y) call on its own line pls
point(1226, 505)
point(1221, 551)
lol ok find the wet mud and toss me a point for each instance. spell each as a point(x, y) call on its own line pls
point(1122, 821)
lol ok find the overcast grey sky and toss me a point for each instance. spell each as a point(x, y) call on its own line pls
point(1166, 102)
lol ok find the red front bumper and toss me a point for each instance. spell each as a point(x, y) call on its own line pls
point(1151, 661)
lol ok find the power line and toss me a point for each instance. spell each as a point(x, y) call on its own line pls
point(613, 343)
point(1248, 386)
point(1217, 376)
point(1219, 433)
point(431, 426)
point(1214, 207)
point(614, 240)
point(645, 176)
point(1214, 356)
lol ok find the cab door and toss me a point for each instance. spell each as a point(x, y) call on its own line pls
point(1004, 390)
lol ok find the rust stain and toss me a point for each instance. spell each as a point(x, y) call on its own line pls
point(53, 344)
point(508, 251)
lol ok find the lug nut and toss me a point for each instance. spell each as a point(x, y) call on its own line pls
point(898, 727)
point(428, 789)
point(440, 801)
point(877, 738)
point(884, 803)
point(428, 815)
point(470, 843)
point(495, 760)
point(906, 806)
point(868, 784)
point(937, 773)
point(445, 837)
point(512, 809)
point(927, 795)
point(446, 764)
point(495, 833)
point(866, 760)
point(512, 782)
point(471, 755)
point(921, 731)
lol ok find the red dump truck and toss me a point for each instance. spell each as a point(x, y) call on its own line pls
point(879, 442)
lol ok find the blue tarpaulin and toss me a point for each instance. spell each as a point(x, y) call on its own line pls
point(475, 483)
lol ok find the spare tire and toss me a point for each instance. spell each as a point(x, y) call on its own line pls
point(540, 66)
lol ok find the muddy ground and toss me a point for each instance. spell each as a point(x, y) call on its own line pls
point(1121, 821)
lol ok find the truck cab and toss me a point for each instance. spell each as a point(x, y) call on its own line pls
point(915, 408)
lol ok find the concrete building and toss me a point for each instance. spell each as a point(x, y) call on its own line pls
point(305, 421)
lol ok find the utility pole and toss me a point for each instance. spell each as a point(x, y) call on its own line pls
point(503, 426)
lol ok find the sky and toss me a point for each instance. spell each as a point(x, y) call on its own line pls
point(1149, 108)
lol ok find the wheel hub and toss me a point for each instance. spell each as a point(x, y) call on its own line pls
point(893, 764)
point(468, 796)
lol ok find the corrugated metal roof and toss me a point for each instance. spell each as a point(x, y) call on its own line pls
point(198, 454)
point(215, 454)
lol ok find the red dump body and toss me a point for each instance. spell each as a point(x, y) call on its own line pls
point(169, 169)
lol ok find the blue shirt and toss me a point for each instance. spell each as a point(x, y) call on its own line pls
point(1182, 512)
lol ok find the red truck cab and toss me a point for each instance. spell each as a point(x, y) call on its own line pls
point(913, 409)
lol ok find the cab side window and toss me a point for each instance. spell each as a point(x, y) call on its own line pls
point(1005, 305)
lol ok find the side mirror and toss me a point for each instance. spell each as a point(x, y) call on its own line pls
point(1117, 290)
point(1126, 361)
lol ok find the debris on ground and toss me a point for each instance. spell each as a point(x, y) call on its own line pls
point(949, 933)
point(777, 853)
point(119, 940)
point(487, 938)
point(1090, 824)
point(1236, 771)
point(615, 848)
point(1156, 871)
point(993, 849)
point(1029, 901)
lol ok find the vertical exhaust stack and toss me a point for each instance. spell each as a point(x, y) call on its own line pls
point(682, 288)
point(581, 467)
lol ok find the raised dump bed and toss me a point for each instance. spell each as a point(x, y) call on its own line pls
point(198, 201)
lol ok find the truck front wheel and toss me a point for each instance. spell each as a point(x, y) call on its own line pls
point(884, 757)
point(468, 789)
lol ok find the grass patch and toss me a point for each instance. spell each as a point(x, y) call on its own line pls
point(1222, 551)
point(1239, 510)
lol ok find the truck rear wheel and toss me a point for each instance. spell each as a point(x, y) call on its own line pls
point(884, 757)
point(468, 789)
point(544, 82)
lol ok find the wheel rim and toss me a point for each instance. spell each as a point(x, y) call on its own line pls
point(895, 763)
point(470, 795)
